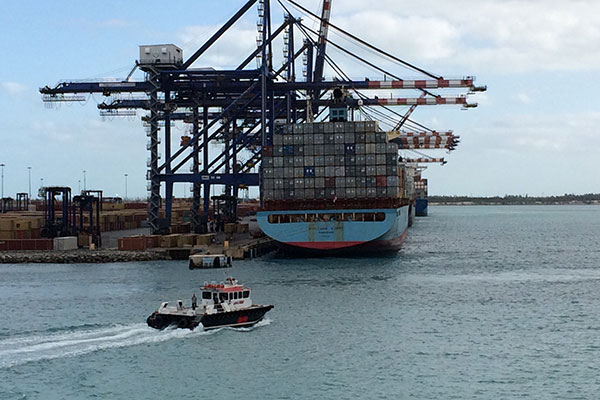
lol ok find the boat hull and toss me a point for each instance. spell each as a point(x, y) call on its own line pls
point(346, 231)
point(237, 318)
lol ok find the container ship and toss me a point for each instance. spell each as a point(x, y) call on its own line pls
point(336, 188)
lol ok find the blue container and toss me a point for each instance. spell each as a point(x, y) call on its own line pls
point(288, 150)
point(309, 172)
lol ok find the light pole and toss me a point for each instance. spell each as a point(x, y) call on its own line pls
point(84, 185)
point(2, 195)
point(29, 171)
point(126, 186)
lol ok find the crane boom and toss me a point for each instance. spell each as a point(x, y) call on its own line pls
point(412, 146)
point(395, 134)
point(425, 84)
point(322, 43)
point(424, 160)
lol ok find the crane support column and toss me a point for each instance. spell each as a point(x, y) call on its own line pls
point(234, 158)
point(196, 221)
point(227, 136)
point(154, 206)
point(205, 146)
point(168, 184)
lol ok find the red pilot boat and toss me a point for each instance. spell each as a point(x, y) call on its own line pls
point(222, 305)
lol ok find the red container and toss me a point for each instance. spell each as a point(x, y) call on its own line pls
point(268, 151)
point(27, 244)
point(152, 241)
point(136, 206)
point(381, 181)
point(330, 182)
point(44, 244)
point(132, 243)
point(22, 235)
point(138, 243)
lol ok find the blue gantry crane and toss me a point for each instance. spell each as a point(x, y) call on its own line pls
point(241, 107)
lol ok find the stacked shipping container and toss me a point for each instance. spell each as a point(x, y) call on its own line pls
point(329, 160)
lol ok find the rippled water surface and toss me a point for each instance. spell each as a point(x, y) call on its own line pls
point(482, 303)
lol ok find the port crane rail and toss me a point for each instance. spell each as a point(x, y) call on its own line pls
point(240, 107)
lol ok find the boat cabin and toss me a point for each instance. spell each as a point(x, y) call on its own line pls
point(229, 293)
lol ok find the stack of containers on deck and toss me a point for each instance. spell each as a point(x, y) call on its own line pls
point(330, 160)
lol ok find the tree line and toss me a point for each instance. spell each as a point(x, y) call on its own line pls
point(590, 198)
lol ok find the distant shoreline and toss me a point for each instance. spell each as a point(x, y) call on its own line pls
point(473, 203)
point(566, 199)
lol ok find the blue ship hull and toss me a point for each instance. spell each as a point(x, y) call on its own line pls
point(421, 207)
point(337, 231)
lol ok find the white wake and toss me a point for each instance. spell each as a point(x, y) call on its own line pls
point(70, 343)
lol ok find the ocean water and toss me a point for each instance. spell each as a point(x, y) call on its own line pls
point(481, 303)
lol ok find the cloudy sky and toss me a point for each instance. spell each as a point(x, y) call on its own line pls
point(535, 131)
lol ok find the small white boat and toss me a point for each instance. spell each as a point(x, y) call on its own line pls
point(224, 304)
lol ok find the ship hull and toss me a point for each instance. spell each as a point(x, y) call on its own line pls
point(421, 207)
point(336, 232)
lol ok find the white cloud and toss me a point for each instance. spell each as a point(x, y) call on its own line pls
point(573, 133)
point(50, 130)
point(12, 88)
point(523, 98)
point(505, 36)
point(232, 48)
point(116, 23)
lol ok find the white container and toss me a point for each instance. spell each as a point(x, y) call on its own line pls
point(65, 243)
point(161, 54)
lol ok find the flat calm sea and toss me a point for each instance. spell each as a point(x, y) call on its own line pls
point(481, 303)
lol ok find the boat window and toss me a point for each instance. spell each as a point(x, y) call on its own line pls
point(235, 295)
point(223, 296)
point(246, 294)
point(206, 295)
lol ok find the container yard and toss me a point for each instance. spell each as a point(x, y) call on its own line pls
point(122, 227)
point(335, 162)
